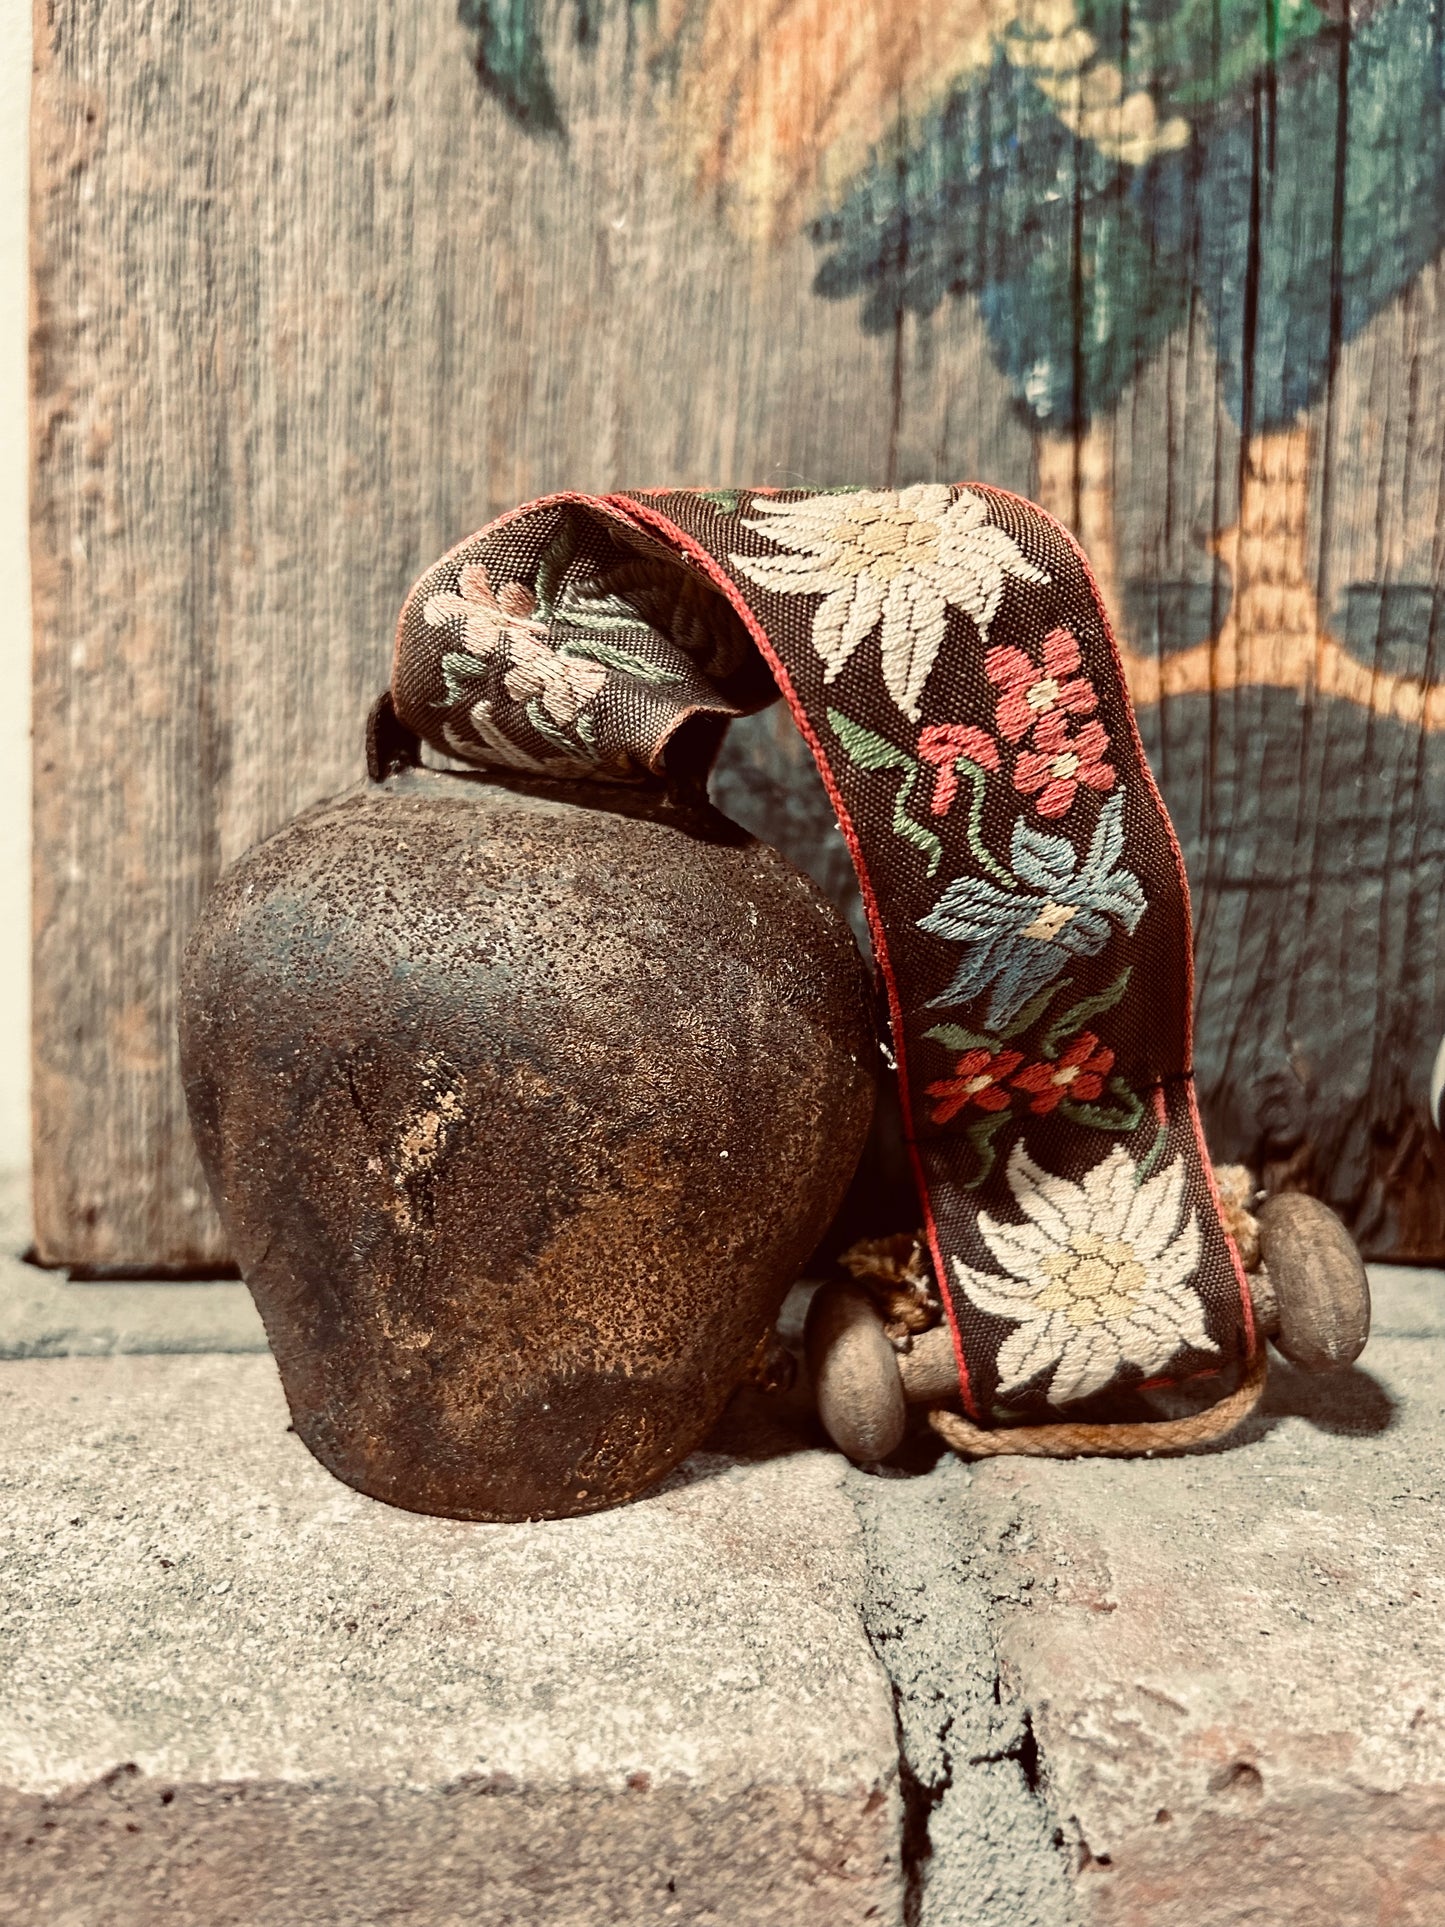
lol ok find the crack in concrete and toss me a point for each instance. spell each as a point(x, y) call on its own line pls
point(981, 1846)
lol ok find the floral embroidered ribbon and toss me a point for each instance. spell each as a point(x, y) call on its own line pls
point(945, 653)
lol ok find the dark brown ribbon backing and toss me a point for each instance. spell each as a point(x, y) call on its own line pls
point(945, 653)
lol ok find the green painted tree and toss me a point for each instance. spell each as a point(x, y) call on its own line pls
point(1306, 189)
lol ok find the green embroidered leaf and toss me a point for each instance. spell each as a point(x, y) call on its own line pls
point(461, 671)
point(622, 660)
point(611, 613)
point(1081, 1012)
point(725, 500)
point(981, 1136)
point(672, 605)
point(866, 750)
point(1099, 1117)
point(1034, 1009)
point(978, 783)
point(553, 566)
point(955, 1037)
point(544, 726)
point(1152, 1155)
point(913, 832)
point(640, 591)
point(648, 603)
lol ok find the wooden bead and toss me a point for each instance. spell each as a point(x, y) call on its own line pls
point(1318, 1280)
point(929, 1368)
point(855, 1375)
point(1261, 1296)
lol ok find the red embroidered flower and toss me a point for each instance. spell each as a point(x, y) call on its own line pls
point(942, 744)
point(1031, 691)
point(976, 1078)
point(1080, 1073)
point(1059, 762)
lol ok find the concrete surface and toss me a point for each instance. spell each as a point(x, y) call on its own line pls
point(43, 1314)
point(235, 1693)
point(1201, 1692)
point(978, 1843)
point(1233, 1666)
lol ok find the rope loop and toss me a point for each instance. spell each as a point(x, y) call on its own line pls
point(1107, 1441)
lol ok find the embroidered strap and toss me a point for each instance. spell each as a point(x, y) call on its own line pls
point(946, 656)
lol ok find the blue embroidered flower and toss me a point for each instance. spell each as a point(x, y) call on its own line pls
point(1020, 939)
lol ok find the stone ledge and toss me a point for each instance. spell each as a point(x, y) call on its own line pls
point(470, 1854)
point(226, 1678)
point(1233, 1665)
point(43, 1314)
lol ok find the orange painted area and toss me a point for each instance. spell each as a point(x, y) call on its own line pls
point(1274, 635)
point(783, 100)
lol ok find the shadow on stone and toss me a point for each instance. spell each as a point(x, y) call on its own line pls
point(755, 1426)
point(1352, 1404)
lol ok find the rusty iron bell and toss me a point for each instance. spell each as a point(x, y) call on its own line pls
point(522, 1106)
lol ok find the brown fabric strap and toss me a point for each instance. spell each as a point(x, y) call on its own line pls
point(945, 654)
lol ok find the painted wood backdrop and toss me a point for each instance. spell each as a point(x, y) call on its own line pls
point(320, 288)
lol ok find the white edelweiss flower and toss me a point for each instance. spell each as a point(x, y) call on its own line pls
point(902, 555)
point(1096, 1277)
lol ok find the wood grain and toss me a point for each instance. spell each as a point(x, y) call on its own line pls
point(310, 304)
point(308, 308)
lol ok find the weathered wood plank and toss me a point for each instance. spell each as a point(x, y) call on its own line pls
point(309, 307)
point(311, 302)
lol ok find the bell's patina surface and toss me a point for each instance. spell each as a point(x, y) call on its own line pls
point(523, 1107)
